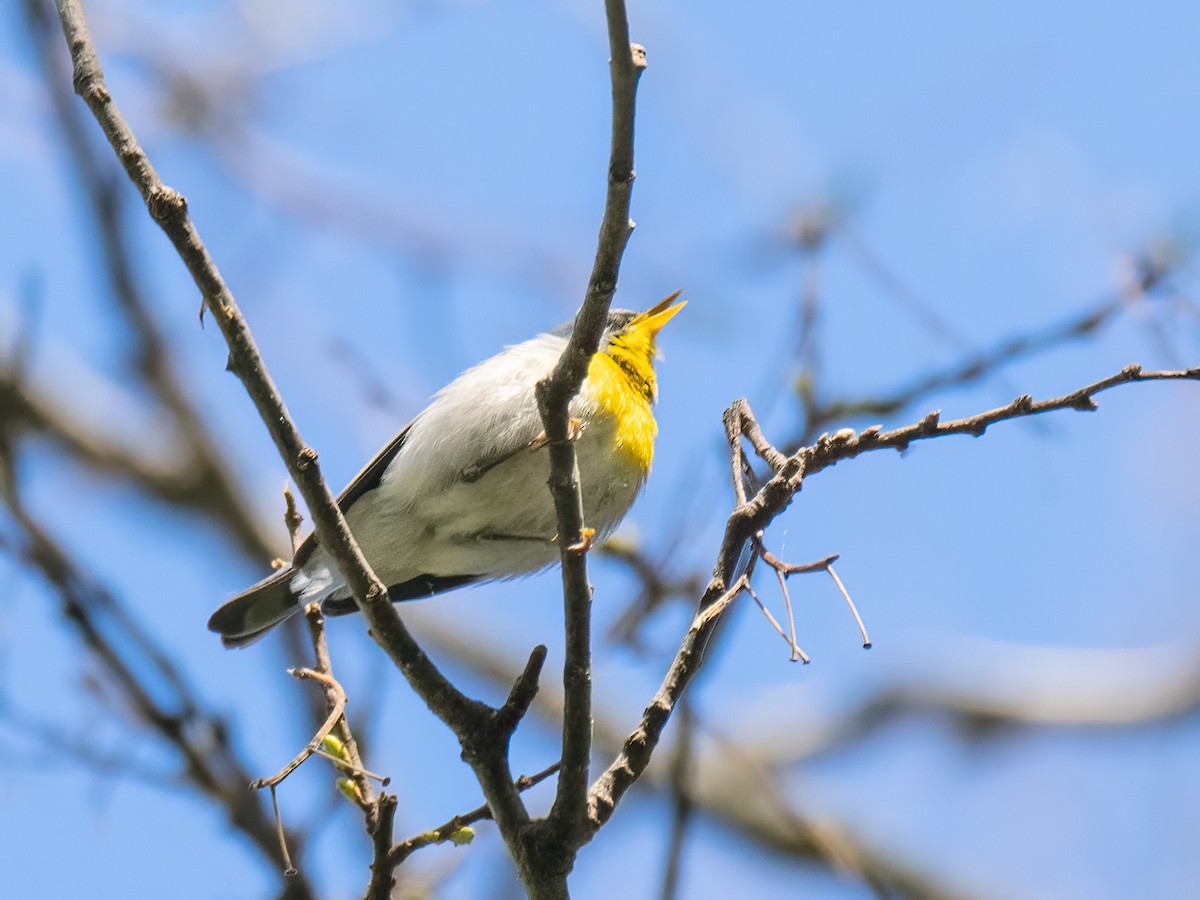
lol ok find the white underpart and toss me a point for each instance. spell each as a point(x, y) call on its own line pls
point(430, 517)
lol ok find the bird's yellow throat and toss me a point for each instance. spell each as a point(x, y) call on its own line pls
point(621, 379)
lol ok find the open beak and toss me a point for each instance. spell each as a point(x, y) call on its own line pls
point(658, 315)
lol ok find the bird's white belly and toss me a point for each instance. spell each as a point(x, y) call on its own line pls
point(499, 525)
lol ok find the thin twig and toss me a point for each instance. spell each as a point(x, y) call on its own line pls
point(335, 714)
point(790, 635)
point(384, 780)
point(365, 794)
point(288, 869)
point(797, 653)
point(403, 850)
point(378, 812)
point(784, 569)
point(862, 628)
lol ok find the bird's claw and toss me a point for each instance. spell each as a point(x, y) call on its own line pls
point(587, 537)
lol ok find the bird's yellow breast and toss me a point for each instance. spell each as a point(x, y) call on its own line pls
point(621, 383)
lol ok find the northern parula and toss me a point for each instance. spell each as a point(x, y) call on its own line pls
point(459, 496)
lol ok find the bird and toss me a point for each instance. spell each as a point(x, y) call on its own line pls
point(460, 495)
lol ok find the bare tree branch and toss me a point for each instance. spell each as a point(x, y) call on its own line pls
point(626, 63)
point(753, 515)
point(1150, 276)
point(737, 787)
point(172, 711)
point(482, 731)
point(445, 832)
point(846, 444)
point(202, 479)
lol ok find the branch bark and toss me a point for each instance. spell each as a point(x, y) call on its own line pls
point(482, 731)
point(755, 514)
point(559, 837)
point(133, 661)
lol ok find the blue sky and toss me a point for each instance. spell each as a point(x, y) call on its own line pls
point(396, 191)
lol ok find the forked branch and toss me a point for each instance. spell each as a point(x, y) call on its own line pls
point(753, 514)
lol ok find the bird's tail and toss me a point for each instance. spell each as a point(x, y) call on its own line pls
point(257, 610)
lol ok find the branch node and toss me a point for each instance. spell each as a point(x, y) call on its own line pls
point(523, 691)
point(843, 436)
point(306, 458)
point(1085, 403)
point(1022, 405)
point(165, 202)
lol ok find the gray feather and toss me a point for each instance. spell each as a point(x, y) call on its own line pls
point(255, 611)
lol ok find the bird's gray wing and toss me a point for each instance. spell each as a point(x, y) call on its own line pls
point(364, 482)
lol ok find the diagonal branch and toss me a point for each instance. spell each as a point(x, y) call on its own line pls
point(484, 744)
point(1150, 278)
point(450, 830)
point(202, 478)
point(168, 208)
point(171, 711)
point(846, 444)
point(755, 514)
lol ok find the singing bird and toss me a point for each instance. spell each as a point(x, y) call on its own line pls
point(459, 496)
